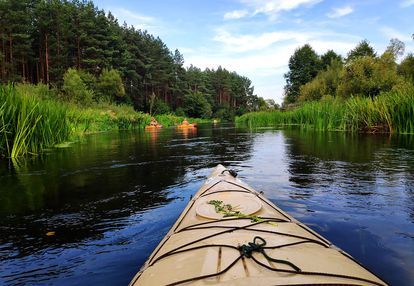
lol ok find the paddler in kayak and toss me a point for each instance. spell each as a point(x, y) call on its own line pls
point(153, 122)
point(185, 122)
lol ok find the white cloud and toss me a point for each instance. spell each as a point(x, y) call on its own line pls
point(391, 33)
point(275, 6)
point(265, 57)
point(244, 43)
point(268, 7)
point(236, 14)
point(340, 12)
point(407, 3)
point(139, 21)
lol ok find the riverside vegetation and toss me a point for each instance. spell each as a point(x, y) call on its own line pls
point(31, 119)
point(363, 92)
point(67, 68)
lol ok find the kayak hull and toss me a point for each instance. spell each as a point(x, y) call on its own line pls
point(183, 126)
point(153, 126)
point(202, 249)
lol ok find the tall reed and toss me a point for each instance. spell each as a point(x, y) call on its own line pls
point(29, 124)
point(391, 112)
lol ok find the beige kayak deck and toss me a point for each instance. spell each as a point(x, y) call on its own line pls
point(205, 248)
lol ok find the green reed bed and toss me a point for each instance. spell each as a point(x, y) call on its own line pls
point(104, 117)
point(391, 112)
point(34, 117)
point(29, 124)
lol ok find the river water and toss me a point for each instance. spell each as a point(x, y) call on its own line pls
point(93, 212)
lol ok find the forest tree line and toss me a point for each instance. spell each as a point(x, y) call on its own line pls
point(363, 72)
point(87, 55)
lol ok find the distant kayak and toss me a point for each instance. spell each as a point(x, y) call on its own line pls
point(153, 126)
point(229, 234)
point(193, 125)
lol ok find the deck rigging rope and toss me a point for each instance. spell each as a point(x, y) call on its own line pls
point(258, 245)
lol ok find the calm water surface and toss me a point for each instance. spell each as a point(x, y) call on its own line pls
point(112, 197)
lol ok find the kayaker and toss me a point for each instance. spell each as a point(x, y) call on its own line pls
point(185, 122)
point(153, 122)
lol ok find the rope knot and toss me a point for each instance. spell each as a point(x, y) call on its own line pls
point(256, 245)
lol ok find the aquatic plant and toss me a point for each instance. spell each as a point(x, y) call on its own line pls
point(228, 210)
point(29, 124)
point(391, 112)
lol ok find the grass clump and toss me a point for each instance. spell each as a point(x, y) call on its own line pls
point(32, 118)
point(389, 112)
point(28, 123)
point(35, 117)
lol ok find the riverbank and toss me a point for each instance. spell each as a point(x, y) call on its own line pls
point(390, 112)
point(32, 119)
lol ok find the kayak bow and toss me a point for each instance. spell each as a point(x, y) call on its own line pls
point(229, 234)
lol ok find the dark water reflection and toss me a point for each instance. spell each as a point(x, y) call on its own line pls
point(112, 197)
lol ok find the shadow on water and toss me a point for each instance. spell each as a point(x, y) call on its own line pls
point(110, 198)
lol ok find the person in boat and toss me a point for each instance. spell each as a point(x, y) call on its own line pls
point(185, 122)
point(153, 122)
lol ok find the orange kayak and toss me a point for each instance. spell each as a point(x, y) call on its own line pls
point(194, 125)
point(153, 126)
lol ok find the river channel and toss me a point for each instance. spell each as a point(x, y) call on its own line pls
point(93, 212)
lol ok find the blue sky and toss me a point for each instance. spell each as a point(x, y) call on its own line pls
point(255, 38)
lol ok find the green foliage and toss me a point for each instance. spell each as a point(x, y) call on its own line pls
point(110, 85)
point(89, 80)
point(406, 68)
point(29, 123)
point(224, 113)
point(391, 112)
point(32, 118)
point(104, 116)
point(196, 105)
point(313, 90)
point(396, 48)
point(173, 120)
point(368, 76)
point(363, 49)
point(304, 65)
point(41, 40)
point(262, 104)
point(328, 58)
point(75, 89)
point(325, 83)
point(160, 107)
point(180, 112)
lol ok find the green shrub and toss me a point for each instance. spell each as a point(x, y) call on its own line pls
point(196, 105)
point(160, 107)
point(75, 89)
point(110, 85)
point(325, 83)
point(406, 67)
point(180, 112)
point(368, 76)
point(224, 113)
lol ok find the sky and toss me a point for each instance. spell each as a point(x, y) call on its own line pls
point(256, 38)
